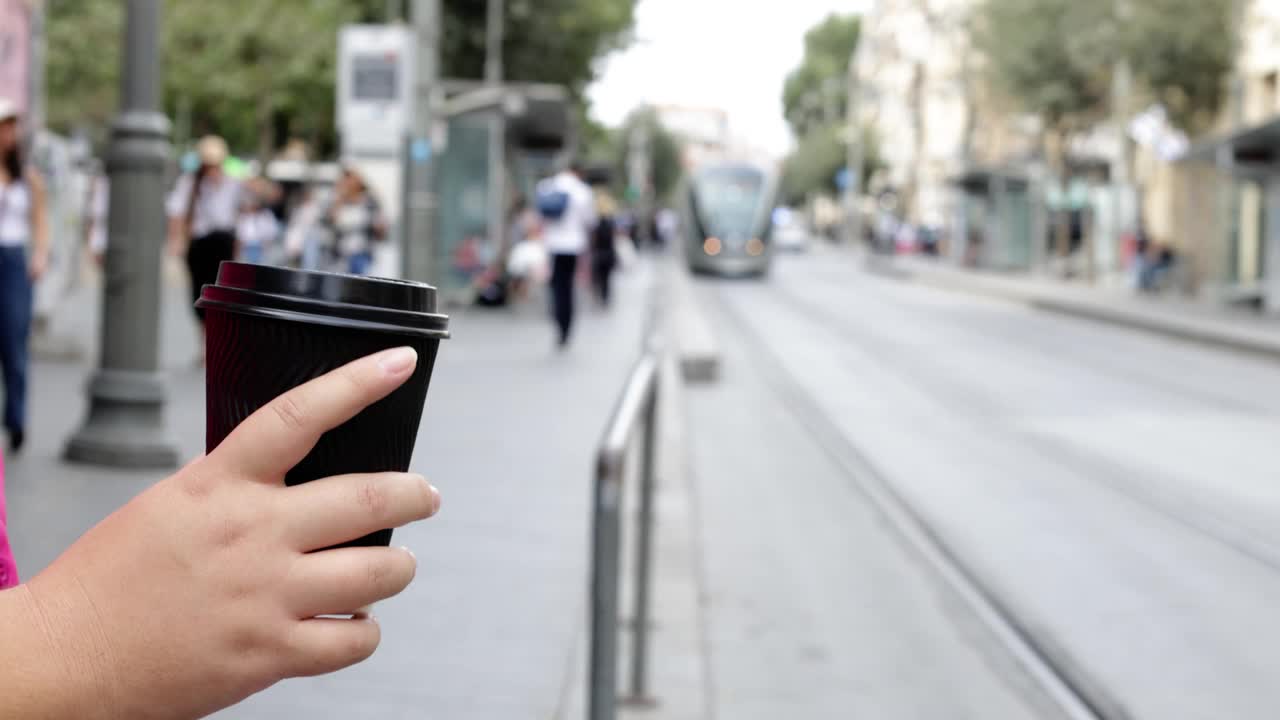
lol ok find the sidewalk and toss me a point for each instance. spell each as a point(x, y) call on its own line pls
point(489, 627)
point(678, 677)
point(1168, 316)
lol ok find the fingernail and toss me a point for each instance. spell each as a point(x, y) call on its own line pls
point(415, 557)
point(435, 500)
point(397, 360)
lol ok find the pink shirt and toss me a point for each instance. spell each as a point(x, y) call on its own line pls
point(8, 568)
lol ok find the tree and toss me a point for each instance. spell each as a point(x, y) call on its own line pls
point(549, 41)
point(259, 72)
point(246, 69)
point(815, 101)
point(1056, 58)
point(666, 163)
point(813, 165)
point(1053, 56)
point(251, 68)
point(816, 91)
point(1180, 51)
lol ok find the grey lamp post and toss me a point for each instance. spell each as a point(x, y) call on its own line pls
point(125, 427)
point(419, 201)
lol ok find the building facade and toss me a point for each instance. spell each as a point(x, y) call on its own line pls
point(946, 141)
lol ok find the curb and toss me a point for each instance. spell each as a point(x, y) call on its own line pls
point(1260, 342)
point(695, 344)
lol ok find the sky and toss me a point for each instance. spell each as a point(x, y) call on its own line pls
point(730, 54)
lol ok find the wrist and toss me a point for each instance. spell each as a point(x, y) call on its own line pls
point(68, 669)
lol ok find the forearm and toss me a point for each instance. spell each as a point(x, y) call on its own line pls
point(39, 215)
point(40, 235)
point(50, 670)
point(177, 237)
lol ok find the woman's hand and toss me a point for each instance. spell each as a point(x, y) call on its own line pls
point(176, 237)
point(207, 588)
point(38, 262)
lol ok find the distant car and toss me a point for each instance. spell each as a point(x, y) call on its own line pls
point(791, 237)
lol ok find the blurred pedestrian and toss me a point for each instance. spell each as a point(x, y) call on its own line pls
point(95, 216)
point(604, 254)
point(666, 226)
point(357, 221)
point(24, 255)
point(203, 209)
point(304, 236)
point(568, 213)
point(527, 262)
point(256, 230)
point(1143, 261)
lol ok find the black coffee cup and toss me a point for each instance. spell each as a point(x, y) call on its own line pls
point(269, 329)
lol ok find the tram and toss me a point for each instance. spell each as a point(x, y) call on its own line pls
point(726, 218)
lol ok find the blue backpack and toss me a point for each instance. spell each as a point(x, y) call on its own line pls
point(552, 204)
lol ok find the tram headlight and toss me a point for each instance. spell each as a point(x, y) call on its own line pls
point(712, 246)
point(755, 247)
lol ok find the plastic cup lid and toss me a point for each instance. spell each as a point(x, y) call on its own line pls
point(353, 301)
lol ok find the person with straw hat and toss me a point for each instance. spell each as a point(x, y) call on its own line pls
point(24, 255)
point(203, 209)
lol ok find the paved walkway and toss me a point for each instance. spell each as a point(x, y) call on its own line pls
point(488, 629)
point(1170, 316)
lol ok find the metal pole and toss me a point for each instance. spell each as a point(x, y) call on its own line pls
point(853, 158)
point(497, 127)
point(1121, 166)
point(494, 18)
point(418, 201)
point(644, 552)
point(606, 536)
point(830, 94)
point(602, 701)
point(638, 172)
point(124, 427)
point(36, 108)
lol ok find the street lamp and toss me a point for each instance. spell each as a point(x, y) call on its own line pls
point(418, 200)
point(124, 426)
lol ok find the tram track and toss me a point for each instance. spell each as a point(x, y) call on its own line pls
point(1061, 682)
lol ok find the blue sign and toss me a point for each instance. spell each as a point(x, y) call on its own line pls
point(420, 150)
point(842, 178)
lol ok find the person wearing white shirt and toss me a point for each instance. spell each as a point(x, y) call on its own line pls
point(256, 230)
point(96, 216)
point(203, 209)
point(567, 206)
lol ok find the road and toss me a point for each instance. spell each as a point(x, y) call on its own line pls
point(1111, 493)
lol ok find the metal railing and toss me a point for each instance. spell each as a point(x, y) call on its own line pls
point(636, 409)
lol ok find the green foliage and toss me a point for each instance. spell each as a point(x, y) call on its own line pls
point(259, 72)
point(82, 61)
point(819, 83)
point(814, 98)
point(551, 41)
point(1055, 57)
point(1181, 50)
point(247, 66)
point(666, 155)
point(812, 166)
point(246, 69)
point(597, 143)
